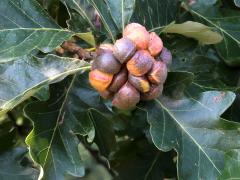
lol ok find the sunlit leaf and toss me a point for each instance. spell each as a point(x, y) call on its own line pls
point(202, 33)
point(32, 74)
point(87, 37)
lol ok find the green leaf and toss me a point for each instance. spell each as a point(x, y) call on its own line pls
point(98, 113)
point(81, 15)
point(106, 19)
point(87, 37)
point(86, 11)
point(176, 83)
point(89, 96)
point(193, 128)
point(24, 26)
point(96, 170)
point(155, 14)
point(121, 11)
point(12, 169)
point(53, 142)
point(104, 133)
point(202, 33)
point(115, 15)
point(227, 22)
point(43, 93)
point(8, 133)
point(52, 6)
point(210, 73)
point(138, 159)
point(232, 166)
point(233, 112)
point(237, 3)
point(131, 124)
point(32, 74)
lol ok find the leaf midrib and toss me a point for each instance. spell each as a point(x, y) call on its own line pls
point(57, 121)
point(221, 29)
point(97, 130)
point(43, 82)
point(83, 13)
point(36, 29)
point(123, 1)
point(29, 17)
point(103, 20)
point(173, 117)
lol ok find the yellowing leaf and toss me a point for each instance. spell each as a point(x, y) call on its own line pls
point(87, 37)
point(198, 31)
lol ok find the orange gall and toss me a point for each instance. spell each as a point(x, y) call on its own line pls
point(165, 56)
point(104, 48)
point(127, 97)
point(100, 80)
point(140, 63)
point(158, 73)
point(139, 82)
point(155, 44)
point(124, 49)
point(107, 63)
point(138, 34)
point(118, 80)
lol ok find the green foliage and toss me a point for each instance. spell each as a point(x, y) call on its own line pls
point(194, 129)
point(227, 22)
point(25, 27)
point(53, 139)
point(190, 132)
point(121, 11)
point(155, 14)
point(13, 158)
point(17, 88)
point(237, 3)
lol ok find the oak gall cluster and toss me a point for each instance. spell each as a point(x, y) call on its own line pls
point(133, 69)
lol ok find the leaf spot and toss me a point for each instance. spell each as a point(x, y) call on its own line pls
point(219, 98)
